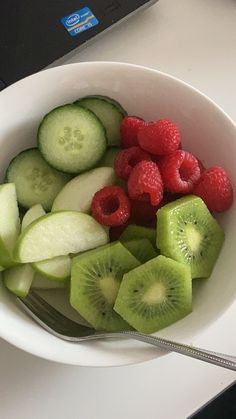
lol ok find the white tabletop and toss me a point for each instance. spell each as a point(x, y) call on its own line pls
point(194, 40)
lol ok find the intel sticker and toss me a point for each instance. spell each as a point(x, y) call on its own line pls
point(79, 21)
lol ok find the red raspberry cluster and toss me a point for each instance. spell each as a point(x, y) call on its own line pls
point(157, 171)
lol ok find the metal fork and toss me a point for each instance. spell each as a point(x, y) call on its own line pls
point(62, 327)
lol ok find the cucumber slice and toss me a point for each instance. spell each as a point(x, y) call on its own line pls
point(57, 234)
point(72, 139)
point(56, 269)
point(39, 282)
point(77, 194)
point(109, 114)
point(109, 157)
point(112, 101)
point(36, 182)
point(32, 214)
point(9, 223)
point(19, 279)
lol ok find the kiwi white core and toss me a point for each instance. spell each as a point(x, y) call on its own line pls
point(156, 294)
point(109, 287)
point(194, 237)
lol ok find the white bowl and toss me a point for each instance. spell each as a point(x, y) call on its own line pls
point(206, 131)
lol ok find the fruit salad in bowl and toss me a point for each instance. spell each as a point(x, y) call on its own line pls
point(121, 207)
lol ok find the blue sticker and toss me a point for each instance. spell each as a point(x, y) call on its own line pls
point(79, 21)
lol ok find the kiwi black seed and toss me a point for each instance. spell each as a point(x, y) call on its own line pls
point(155, 295)
point(95, 282)
point(188, 233)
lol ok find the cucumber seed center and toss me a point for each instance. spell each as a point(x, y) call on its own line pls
point(41, 179)
point(71, 139)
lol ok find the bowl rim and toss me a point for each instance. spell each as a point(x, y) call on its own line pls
point(58, 68)
point(25, 344)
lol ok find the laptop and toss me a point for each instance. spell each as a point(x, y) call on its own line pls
point(34, 34)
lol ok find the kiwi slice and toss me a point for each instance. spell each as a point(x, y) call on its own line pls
point(155, 295)
point(134, 231)
point(188, 233)
point(95, 281)
point(142, 249)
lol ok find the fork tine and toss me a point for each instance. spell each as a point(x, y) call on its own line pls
point(51, 319)
point(42, 305)
point(35, 309)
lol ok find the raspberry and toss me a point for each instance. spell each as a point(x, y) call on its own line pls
point(156, 159)
point(129, 130)
point(143, 213)
point(201, 166)
point(116, 231)
point(180, 172)
point(169, 197)
point(145, 183)
point(215, 189)
point(159, 137)
point(127, 159)
point(111, 206)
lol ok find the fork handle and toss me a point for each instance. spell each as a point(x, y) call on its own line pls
point(215, 358)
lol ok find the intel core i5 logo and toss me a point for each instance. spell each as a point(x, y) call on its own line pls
point(79, 21)
point(72, 20)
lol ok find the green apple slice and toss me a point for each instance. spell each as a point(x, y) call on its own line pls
point(18, 279)
point(77, 194)
point(56, 269)
point(58, 234)
point(32, 214)
point(9, 223)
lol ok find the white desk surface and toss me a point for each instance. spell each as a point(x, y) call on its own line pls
point(194, 40)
